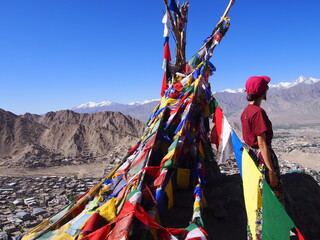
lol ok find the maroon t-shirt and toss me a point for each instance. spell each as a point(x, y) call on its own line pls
point(255, 122)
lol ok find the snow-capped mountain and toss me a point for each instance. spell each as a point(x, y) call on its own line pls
point(300, 80)
point(138, 110)
point(296, 102)
point(288, 103)
point(281, 85)
point(238, 90)
point(144, 102)
point(93, 104)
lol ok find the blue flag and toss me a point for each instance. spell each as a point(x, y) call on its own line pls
point(173, 6)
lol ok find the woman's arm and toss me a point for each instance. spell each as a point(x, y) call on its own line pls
point(267, 159)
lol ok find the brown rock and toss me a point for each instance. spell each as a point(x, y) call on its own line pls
point(38, 141)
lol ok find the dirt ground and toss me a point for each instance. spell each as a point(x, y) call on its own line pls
point(94, 170)
point(308, 160)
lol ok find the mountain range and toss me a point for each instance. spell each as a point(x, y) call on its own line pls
point(92, 131)
point(288, 103)
point(294, 103)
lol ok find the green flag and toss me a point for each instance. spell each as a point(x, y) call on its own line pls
point(276, 224)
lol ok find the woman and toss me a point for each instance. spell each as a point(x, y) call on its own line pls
point(257, 133)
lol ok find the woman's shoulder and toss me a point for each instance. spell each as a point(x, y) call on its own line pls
point(254, 111)
point(254, 108)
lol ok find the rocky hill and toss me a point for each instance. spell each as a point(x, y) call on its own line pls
point(64, 137)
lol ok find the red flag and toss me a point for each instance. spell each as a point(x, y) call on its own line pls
point(178, 86)
point(166, 59)
point(215, 136)
point(134, 148)
point(160, 179)
point(166, 53)
point(100, 234)
point(95, 222)
point(164, 86)
point(300, 237)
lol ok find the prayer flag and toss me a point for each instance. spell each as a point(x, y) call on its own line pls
point(195, 233)
point(173, 6)
point(276, 223)
point(227, 148)
point(217, 129)
point(251, 177)
point(166, 31)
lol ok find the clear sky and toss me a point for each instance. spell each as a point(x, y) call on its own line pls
point(56, 54)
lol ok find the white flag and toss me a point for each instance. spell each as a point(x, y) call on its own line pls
point(226, 140)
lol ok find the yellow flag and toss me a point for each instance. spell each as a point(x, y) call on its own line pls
point(169, 192)
point(183, 178)
point(37, 229)
point(250, 177)
point(108, 210)
point(61, 234)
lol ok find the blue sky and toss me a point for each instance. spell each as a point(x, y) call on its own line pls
point(57, 54)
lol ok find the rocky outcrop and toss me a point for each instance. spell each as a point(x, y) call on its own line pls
point(226, 216)
point(302, 194)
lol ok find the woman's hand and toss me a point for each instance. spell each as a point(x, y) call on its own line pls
point(273, 179)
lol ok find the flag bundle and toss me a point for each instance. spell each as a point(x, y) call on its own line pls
point(134, 200)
